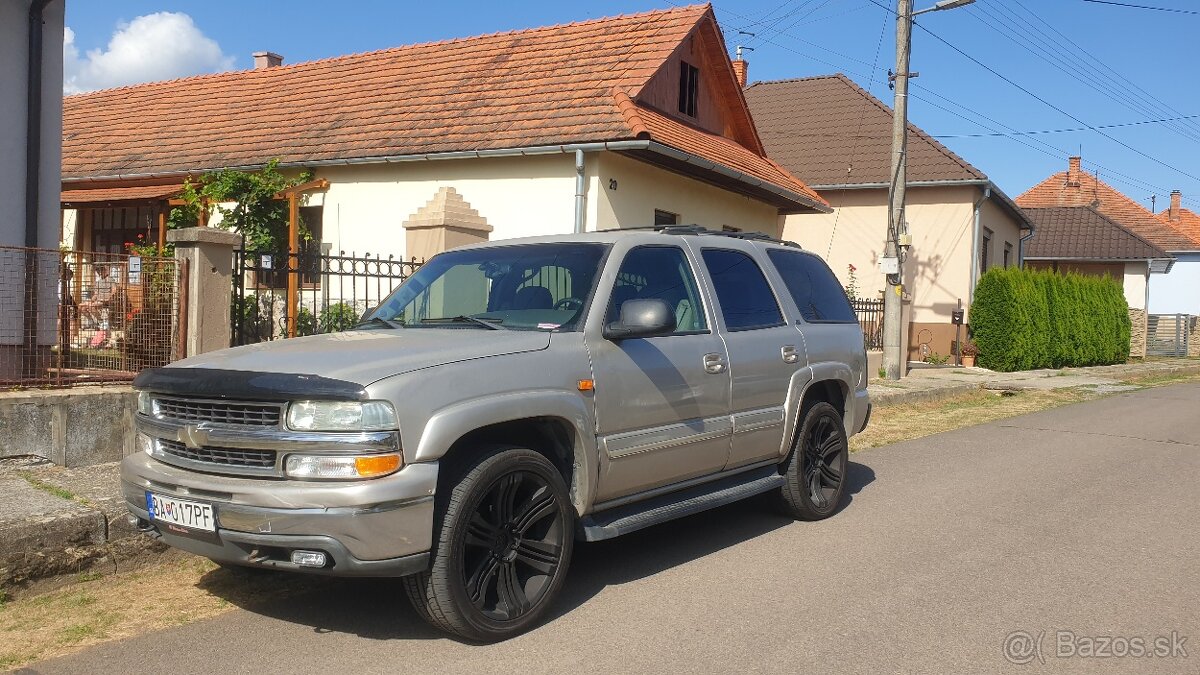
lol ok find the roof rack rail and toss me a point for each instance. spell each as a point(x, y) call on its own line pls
point(700, 230)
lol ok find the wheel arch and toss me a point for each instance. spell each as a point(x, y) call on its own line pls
point(556, 424)
point(828, 382)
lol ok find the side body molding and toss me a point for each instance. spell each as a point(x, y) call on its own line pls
point(449, 424)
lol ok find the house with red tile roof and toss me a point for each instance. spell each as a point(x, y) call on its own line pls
point(1175, 290)
point(617, 122)
point(836, 136)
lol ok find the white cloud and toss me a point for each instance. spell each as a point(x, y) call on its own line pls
point(153, 47)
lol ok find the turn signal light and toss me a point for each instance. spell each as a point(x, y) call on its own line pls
point(376, 465)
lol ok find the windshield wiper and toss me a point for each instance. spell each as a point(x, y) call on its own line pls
point(488, 322)
point(382, 321)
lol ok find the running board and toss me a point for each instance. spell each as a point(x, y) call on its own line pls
point(633, 517)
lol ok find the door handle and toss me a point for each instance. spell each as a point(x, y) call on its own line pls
point(714, 364)
point(788, 352)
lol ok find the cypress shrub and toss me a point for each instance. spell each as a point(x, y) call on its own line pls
point(1026, 319)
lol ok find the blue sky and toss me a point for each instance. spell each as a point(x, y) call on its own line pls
point(1102, 64)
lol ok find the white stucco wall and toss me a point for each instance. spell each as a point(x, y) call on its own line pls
point(1177, 292)
point(365, 206)
point(1135, 283)
point(641, 188)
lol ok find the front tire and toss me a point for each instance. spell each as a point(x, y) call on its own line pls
point(815, 474)
point(501, 552)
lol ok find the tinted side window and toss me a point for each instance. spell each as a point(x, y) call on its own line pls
point(660, 272)
point(813, 286)
point(746, 298)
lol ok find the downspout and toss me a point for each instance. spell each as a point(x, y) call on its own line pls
point(33, 124)
point(1021, 246)
point(580, 192)
point(33, 170)
point(987, 194)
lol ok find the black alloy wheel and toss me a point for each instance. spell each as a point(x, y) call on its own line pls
point(513, 546)
point(502, 544)
point(815, 473)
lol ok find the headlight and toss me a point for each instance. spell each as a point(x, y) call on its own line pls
point(341, 467)
point(144, 405)
point(341, 416)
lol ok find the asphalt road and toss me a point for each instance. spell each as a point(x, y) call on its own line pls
point(1084, 519)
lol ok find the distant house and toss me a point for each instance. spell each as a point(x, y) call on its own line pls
point(1173, 291)
point(1180, 293)
point(836, 136)
point(618, 122)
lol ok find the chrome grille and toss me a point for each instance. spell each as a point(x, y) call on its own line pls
point(258, 459)
point(217, 412)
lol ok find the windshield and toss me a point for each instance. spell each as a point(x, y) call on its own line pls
point(523, 287)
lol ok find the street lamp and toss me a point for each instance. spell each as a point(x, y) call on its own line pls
point(892, 262)
point(944, 4)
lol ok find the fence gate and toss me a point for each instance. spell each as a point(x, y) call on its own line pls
point(870, 317)
point(1166, 335)
point(328, 292)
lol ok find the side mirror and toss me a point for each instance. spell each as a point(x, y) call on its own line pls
point(642, 318)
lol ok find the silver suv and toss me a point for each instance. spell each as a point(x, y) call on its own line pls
point(506, 400)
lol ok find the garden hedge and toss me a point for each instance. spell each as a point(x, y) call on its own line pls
point(1025, 319)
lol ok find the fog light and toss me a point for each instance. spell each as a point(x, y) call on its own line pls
point(308, 558)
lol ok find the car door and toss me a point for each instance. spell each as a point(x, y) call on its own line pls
point(662, 403)
point(764, 352)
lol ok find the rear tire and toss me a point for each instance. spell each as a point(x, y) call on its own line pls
point(501, 550)
point(815, 474)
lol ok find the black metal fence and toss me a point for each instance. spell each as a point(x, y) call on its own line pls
point(80, 317)
point(870, 317)
point(328, 292)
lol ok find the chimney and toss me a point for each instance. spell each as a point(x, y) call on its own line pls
point(267, 60)
point(1073, 171)
point(1176, 198)
point(739, 69)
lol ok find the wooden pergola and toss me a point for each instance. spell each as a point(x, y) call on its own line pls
point(292, 195)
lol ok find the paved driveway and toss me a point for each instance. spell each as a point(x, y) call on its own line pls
point(1082, 519)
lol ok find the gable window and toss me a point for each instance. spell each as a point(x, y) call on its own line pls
point(665, 218)
point(1007, 254)
point(689, 87)
point(985, 251)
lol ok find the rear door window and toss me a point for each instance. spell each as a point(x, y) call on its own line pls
point(813, 286)
point(745, 296)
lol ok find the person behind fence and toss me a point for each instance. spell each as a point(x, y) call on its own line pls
point(101, 297)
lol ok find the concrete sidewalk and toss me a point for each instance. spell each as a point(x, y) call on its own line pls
point(56, 520)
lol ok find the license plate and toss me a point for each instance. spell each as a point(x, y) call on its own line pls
point(192, 515)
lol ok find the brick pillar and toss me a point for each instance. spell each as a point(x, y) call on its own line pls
point(209, 252)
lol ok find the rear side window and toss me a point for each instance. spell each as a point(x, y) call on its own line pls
point(813, 286)
point(745, 296)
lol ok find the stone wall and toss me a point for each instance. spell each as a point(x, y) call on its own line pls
point(72, 427)
point(1193, 324)
point(1137, 333)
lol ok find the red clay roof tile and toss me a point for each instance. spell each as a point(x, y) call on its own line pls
point(544, 86)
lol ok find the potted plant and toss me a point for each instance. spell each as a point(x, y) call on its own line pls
point(968, 353)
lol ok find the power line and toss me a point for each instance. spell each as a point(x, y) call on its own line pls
point(1064, 131)
point(1031, 38)
point(1157, 9)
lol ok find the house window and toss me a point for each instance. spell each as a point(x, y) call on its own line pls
point(985, 251)
point(689, 86)
point(1007, 254)
point(665, 218)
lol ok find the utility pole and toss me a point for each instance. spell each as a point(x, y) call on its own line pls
point(896, 246)
point(892, 264)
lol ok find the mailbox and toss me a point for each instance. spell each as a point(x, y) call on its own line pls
point(956, 317)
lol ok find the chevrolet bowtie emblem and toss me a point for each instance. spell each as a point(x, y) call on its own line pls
point(193, 436)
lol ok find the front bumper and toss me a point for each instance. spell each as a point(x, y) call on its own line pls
point(377, 527)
